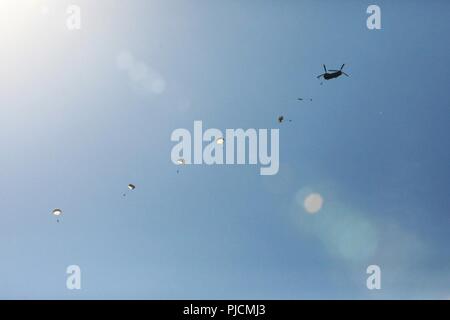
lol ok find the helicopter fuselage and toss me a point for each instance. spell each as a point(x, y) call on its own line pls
point(332, 75)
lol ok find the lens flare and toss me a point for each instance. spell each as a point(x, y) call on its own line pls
point(313, 203)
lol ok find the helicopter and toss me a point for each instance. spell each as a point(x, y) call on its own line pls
point(331, 74)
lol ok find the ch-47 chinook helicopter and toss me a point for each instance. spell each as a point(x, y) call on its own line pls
point(331, 74)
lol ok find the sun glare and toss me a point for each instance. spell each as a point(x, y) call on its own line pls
point(17, 15)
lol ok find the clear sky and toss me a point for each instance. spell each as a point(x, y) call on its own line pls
point(79, 122)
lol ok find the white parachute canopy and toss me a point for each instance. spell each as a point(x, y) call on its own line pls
point(57, 212)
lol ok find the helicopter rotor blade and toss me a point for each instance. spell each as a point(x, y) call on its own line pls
point(334, 70)
point(318, 77)
point(343, 66)
point(345, 74)
point(325, 68)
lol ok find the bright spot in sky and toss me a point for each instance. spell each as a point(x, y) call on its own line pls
point(313, 203)
point(220, 140)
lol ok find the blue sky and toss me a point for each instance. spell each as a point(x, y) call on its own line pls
point(76, 129)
